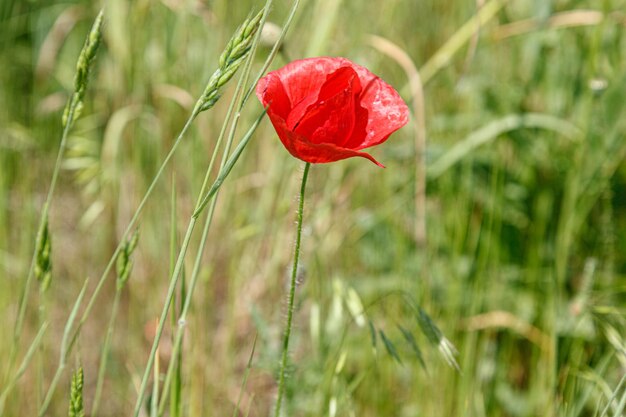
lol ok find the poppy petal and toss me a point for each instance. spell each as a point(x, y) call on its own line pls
point(301, 148)
point(386, 111)
point(304, 78)
point(331, 119)
point(271, 92)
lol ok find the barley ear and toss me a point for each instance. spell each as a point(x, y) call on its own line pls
point(76, 394)
point(231, 59)
point(83, 67)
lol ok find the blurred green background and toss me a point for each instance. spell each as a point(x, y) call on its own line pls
point(522, 266)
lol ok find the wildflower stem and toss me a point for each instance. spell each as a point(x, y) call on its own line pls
point(292, 293)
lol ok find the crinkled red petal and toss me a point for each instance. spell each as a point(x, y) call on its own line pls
point(331, 119)
point(315, 153)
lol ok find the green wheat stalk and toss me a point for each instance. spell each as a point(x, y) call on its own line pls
point(40, 264)
point(22, 369)
point(206, 101)
point(65, 349)
point(176, 387)
point(244, 40)
point(124, 266)
point(43, 274)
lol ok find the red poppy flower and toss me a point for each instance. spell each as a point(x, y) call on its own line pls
point(326, 109)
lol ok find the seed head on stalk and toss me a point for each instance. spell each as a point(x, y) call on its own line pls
point(76, 394)
point(231, 59)
point(43, 263)
point(83, 68)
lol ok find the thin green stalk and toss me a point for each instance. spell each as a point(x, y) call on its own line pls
point(175, 392)
point(43, 318)
point(19, 323)
point(27, 358)
point(170, 293)
point(104, 356)
point(154, 400)
point(196, 270)
point(194, 275)
point(168, 300)
point(248, 36)
point(232, 57)
point(72, 111)
point(245, 376)
point(606, 409)
point(65, 349)
point(131, 225)
point(292, 294)
point(201, 202)
point(174, 281)
point(173, 223)
point(214, 189)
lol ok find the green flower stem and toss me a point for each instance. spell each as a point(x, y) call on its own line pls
point(292, 294)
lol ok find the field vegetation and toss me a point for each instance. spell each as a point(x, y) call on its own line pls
point(481, 273)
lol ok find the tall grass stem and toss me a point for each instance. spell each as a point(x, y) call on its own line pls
point(193, 220)
point(197, 263)
point(72, 111)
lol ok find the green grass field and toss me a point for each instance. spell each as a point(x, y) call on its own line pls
point(482, 273)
